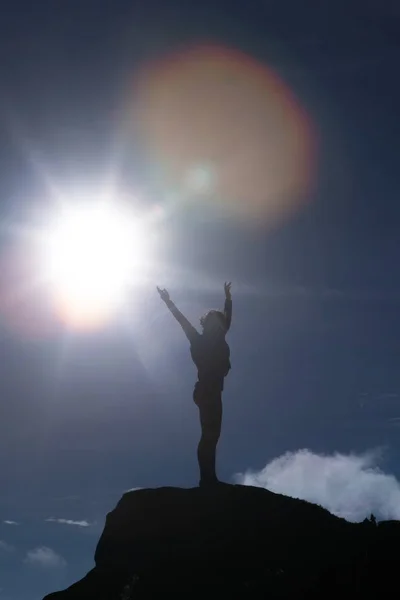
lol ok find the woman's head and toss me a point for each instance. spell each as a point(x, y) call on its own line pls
point(214, 322)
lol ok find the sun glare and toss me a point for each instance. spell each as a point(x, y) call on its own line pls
point(93, 254)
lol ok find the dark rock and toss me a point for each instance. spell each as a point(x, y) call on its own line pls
point(243, 541)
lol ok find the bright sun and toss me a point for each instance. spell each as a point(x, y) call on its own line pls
point(93, 253)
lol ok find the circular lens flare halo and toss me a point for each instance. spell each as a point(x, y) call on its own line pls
point(228, 129)
point(93, 252)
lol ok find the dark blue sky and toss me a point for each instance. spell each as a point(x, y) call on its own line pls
point(315, 335)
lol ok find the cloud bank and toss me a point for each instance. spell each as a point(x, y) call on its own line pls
point(68, 522)
point(350, 486)
point(8, 522)
point(44, 557)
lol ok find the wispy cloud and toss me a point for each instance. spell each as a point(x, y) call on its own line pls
point(4, 547)
point(350, 486)
point(7, 522)
point(68, 522)
point(44, 557)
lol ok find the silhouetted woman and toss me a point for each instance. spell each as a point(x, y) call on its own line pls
point(211, 355)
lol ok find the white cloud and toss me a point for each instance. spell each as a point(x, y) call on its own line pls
point(350, 486)
point(4, 547)
point(8, 522)
point(68, 522)
point(44, 557)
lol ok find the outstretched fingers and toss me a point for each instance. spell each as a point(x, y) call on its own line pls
point(164, 295)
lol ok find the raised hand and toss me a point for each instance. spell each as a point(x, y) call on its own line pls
point(164, 295)
point(227, 289)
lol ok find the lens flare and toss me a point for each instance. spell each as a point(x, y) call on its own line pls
point(226, 128)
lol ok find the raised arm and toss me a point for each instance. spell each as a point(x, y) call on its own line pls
point(187, 327)
point(228, 305)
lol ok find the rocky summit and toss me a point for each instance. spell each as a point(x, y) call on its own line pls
point(244, 542)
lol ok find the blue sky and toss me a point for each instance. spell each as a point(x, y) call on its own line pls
point(311, 407)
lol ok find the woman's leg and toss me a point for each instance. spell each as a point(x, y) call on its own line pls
point(210, 408)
